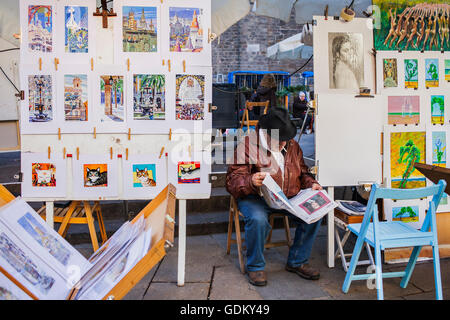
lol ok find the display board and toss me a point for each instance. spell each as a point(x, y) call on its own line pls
point(96, 99)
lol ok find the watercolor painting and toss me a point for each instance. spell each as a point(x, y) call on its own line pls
point(431, 73)
point(95, 175)
point(314, 203)
point(438, 140)
point(403, 109)
point(112, 98)
point(76, 29)
point(411, 73)
point(40, 25)
point(437, 109)
point(412, 25)
point(75, 97)
point(40, 98)
point(407, 148)
point(447, 70)
point(43, 175)
point(390, 79)
point(139, 29)
point(144, 175)
point(405, 214)
point(190, 97)
point(188, 172)
point(186, 30)
point(149, 97)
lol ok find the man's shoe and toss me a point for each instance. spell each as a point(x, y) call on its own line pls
point(257, 278)
point(305, 271)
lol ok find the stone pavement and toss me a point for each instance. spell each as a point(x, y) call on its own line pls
point(211, 274)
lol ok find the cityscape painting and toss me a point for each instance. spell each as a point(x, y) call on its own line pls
point(40, 98)
point(190, 97)
point(149, 97)
point(75, 97)
point(40, 25)
point(112, 98)
point(139, 28)
point(186, 31)
point(76, 29)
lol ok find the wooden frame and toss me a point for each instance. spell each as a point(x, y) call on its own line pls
point(245, 117)
point(17, 147)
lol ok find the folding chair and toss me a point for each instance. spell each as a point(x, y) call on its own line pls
point(395, 234)
point(245, 117)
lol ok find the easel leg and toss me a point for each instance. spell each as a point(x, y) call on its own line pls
point(49, 213)
point(91, 226)
point(181, 241)
point(331, 232)
point(65, 222)
point(101, 225)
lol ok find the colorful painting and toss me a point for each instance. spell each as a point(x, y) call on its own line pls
point(76, 29)
point(412, 25)
point(407, 148)
point(431, 73)
point(346, 60)
point(403, 109)
point(186, 29)
point(190, 97)
point(447, 70)
point(405, 214)
point(95, 175)
point(411, 73)
point(390, 79)
point(139, 29)
point(149, 97)
point(112, 98)
point(43, 175)
point(188, 172)
point(437, 109)
point(51, 244)
point(40, 98)
point(40, 25)
point(314, 203)
point(10, 291)
point(439, 148)
point(144, 175)
point(75, 97)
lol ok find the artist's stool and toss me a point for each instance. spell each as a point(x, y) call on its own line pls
point(341, 221)
point(79, 212)
point(234, 218)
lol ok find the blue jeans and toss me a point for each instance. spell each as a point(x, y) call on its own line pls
point(257, 227)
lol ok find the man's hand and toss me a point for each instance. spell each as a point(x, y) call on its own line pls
point(316, 186)
point(257, 178)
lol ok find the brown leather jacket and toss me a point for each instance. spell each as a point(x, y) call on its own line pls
point(250, 157)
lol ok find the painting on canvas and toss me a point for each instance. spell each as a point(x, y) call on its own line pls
point(407, 148)
point(188, 172)
point(431, 73)
point(95, 175)
point(149, 101)
point(76, 29)
point(40, 25)
point(43, 175)
point(112, 98)
point(447, 70)
point(40, 98)
point(186, 29)
point(405, 214)
point(437, 109)
point(346, 60)
point(439, 145)
point(403, 109)
point(75, 97)
point(144, 175)
point(190, 97)
point(390, 79)
point(411, 73)
point(139, 28)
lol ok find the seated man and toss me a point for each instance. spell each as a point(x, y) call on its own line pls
point(271, 150)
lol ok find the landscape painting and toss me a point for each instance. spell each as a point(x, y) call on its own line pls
point(407, 148)
point(405, 214)
point(149, 100)
point(75, 97)
point(144, 175)
point(437, 109)
point(95, 175)
point(40, 98)
point(43, 175)
point(447, 70)
point(390, 79)
point(186, 30)
point(188, 172)
point(439, 143)
point(112, 98)
point(76, 29)
point(190, 97)
point(139, 29)
point(411, 73)
point(40, 28)
point(403, 109)
point(431, 73)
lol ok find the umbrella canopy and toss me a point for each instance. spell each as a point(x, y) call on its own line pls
point(298, 46)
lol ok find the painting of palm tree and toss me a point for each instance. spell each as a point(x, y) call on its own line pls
point(149, 97)
point(111, 98)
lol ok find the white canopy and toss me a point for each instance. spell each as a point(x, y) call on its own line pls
point(298, 46)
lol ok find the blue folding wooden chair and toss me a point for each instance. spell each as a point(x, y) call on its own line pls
point(395, 234)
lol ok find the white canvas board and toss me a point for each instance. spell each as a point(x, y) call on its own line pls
point(29, 269)
point(43, 176)
point(357, 61)
point(75, 99)
point(178, 21)
point(10, 291)
point(147, 100)
point(38, 110)
point(110, 117)
point(76, 31)
point(104, 177)
point(136, 39)
point(43, 240)
point(194, 182)
point(413, 216)
point(38, 29)
point(144, 176)
point(348, 139)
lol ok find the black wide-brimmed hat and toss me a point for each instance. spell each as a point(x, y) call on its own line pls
point(277, 118)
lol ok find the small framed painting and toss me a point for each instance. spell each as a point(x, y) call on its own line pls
point(411, 73)
point(10, 291)
point(431, 73)
point(403, 110)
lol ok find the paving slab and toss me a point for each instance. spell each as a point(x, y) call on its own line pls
point(170, 291)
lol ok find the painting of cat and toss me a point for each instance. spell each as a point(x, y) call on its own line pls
point(43, 175)
point(144, 178)
point(95, 177)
